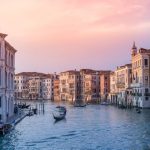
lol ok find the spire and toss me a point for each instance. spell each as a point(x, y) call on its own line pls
point(134, 47)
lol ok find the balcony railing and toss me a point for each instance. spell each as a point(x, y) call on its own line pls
point(137, 94)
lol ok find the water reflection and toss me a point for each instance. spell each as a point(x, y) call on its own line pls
point(59, 121)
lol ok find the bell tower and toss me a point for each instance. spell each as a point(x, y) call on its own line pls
point(134, 49)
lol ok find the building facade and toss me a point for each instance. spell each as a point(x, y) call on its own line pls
point(104, 81)
point(113, 88)
point(21, 85)
point(70, 86)
point(91, 87)
point(47, 84)
point(123, 85)
point(34, 85)
point(7, 69)
point(141, 77)
point(56, 88)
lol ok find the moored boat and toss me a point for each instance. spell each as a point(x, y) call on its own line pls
point(138, 110)
point(79, 104)
point(105, 103)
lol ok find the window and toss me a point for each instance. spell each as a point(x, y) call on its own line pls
point(146, 90)
point(146, 98)
point(146, 62)
point(146, 79)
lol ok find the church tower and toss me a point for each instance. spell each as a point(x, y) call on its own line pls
point(134, 49)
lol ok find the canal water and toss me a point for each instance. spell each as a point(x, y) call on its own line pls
point(94, 127)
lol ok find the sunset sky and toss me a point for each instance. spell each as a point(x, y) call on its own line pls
point(57, 35)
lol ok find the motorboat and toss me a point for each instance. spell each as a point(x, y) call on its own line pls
point(59, 113)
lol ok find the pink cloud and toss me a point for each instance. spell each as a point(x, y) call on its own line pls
point(77, 33)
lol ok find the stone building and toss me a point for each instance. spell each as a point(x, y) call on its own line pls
point(56, 88)
point(104, 81)
point(7, 69)
point(113, 88)
point(141, 77)
point(123, 84)
point(35, 88)
point(34, 85)
point(90, 88)
point(22, 85)
point(47, 84)
point(70, 86)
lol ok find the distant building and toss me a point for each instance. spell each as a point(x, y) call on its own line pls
point(90, 85)
point(113, 88)
point(21, 85)
point(69, 85)
point(141, 77)
point(34, 85)
point(104, 81)
point(47, 87)
point(86, 85)
point(56, 88)
point(123, 84)
point(7, 69)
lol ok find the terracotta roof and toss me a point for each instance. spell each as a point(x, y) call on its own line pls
point(31, 74)
point(126, 65)
point(143, 50)
point(70, 72)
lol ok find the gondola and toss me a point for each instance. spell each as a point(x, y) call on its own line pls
point(59, 113)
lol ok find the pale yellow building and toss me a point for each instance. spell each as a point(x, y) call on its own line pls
point(123, 84)
point(120, 84)
point(113, 88)
point(141, 77)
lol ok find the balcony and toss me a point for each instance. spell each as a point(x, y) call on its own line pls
point(120, 85)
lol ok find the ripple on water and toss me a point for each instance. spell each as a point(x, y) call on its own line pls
point(71, 134)
point(72, 131)
point(107, 128)
point(52, 138)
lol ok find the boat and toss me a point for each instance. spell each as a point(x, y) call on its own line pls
point(138, 110)
point(104, 103)
point(23, 106)
point(79, 104)
point(59, 113)
point(30, 113)
point(6, 128)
